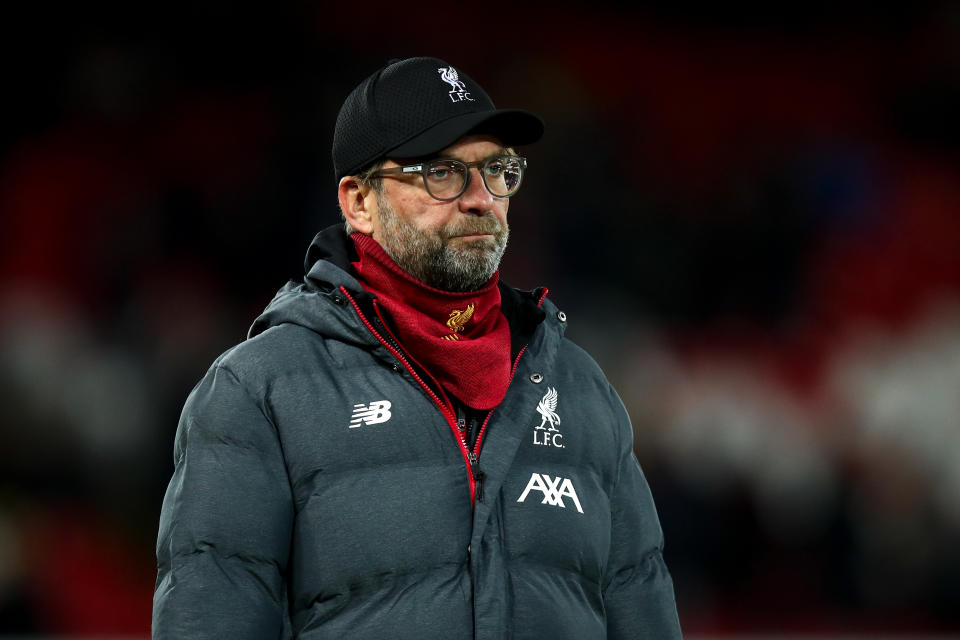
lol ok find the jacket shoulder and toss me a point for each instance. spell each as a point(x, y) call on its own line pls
point(573, 354)
point(268, 350)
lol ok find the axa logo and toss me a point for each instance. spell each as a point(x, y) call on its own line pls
point(547, 408)
point(554, 490)
point(376, 412)
point(458, 90)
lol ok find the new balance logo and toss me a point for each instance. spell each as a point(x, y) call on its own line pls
point(378, 411)
point(553, 490)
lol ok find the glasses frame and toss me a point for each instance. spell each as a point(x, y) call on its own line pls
point(422, 168)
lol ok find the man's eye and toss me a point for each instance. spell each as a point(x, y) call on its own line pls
point(442, 171)
point(494, 168)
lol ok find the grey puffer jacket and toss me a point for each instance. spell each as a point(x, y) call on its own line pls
point(320, 491)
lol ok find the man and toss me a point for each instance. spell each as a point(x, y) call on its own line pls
point(406, 447)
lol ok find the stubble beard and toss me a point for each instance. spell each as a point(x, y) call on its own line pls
point(436, 258)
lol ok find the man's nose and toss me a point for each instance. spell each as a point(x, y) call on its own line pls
point(476, 199)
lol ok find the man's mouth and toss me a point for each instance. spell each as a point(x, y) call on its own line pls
point(478, 232)
point(474, 236)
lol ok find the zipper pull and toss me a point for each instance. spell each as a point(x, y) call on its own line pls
point(478, 475)
point(461, 424)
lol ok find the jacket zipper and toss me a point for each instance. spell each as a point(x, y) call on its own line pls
point(483, 428)
point(469, 457)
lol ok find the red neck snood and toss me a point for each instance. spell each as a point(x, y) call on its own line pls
point(461, 339)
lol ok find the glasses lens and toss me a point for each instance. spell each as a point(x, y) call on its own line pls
point(445, 178)
point(503, 174)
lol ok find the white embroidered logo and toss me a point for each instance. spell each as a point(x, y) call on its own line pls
point(458, 90)
point(377, 412)
point(547, 408)
point(553, 490)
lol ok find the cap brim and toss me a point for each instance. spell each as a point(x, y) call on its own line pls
point(510, 126)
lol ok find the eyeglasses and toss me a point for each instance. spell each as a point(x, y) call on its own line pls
point(448, 179)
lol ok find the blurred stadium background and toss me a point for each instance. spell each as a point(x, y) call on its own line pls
point(752, 220)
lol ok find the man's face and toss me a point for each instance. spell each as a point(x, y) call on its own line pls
point(450, 245)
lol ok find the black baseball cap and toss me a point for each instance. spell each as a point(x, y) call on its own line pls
point(415, 107)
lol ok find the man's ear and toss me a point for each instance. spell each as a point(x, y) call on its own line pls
point(356, 201)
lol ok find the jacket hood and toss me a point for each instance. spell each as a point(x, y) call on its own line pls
point(317, 303)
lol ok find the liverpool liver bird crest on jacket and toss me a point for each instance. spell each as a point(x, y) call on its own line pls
point(547, 408)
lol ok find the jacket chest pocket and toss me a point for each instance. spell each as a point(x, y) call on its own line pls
point(558, 517)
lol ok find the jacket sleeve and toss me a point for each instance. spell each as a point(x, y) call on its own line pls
point(638, 591)
point(226, 521)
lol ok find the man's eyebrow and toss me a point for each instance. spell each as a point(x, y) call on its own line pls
point(502, 151)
